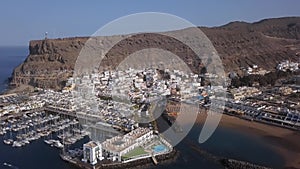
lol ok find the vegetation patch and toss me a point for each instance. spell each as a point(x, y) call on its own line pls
point(135, 152)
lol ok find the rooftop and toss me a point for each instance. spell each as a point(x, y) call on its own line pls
point(91, 144)
point(120, 143)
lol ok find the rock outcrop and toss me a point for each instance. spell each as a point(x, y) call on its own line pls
point(49, 63)
point(239, 44)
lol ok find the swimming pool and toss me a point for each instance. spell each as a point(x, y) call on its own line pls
point(159, 148)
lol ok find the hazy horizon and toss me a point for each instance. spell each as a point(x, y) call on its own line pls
point(27, 20)
point(78, 36)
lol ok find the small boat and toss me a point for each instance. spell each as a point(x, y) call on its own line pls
point(49, 141)
point(16, 144)
point(26, 141)
point(31, 138)
point(19, 137)
point(8, 141)
point(58, 144)
point(7, 164)
point(10, 165)
point(2, 132)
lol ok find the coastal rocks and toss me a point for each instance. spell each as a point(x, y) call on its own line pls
point(225, 162)
point(235, 164)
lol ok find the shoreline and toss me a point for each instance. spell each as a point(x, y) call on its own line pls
point(281, 140)
point(141, 163)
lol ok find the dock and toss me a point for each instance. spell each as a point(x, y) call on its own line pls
point(154, 160)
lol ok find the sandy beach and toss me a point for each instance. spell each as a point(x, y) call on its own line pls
point(286, 142)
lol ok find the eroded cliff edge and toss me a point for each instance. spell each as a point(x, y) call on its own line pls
point(49, 62)
point(239, 44)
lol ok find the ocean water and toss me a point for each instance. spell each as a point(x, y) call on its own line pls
point(10, 57)
point(223, 143)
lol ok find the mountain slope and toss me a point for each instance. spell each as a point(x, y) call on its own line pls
point(239, 44)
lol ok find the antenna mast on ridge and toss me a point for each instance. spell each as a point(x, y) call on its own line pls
point(46, 35)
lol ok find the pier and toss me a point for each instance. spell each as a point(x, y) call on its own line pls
point(41, 122)
point(154, 160)
point(57, 110)
point(57, 127)
point(16, 115)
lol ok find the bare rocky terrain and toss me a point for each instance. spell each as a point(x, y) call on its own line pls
point(239, 44)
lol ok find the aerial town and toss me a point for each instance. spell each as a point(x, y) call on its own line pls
point(115, 110)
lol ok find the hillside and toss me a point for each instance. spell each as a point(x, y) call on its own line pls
point(239, 44)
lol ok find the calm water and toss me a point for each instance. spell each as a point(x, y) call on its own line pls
point(224, 142)
point(10, 57)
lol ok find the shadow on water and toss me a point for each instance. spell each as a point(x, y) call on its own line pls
point(224, 143)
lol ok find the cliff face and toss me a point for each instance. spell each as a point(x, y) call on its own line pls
point(49, 63)
point(239, 44)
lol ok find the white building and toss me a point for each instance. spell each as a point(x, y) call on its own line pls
point(118, 146)
point(243, 92)
point(287, 65)
point(91, 152)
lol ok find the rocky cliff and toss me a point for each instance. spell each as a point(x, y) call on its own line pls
point(49, 62)
point(239, 44)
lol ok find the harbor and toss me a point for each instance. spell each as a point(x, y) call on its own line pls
point(47, 157)
point(119, 131)
point(56, 130)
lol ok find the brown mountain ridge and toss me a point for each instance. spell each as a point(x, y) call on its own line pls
point(239, 44)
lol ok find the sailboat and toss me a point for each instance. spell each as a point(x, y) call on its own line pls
point(25, 136)
point(48, 139)
point(9, 140)
point(17, 144)
point(2, 131)
point(58, 144)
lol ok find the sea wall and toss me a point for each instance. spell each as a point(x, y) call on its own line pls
point(146, 162)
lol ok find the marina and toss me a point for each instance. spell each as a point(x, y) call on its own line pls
point(107, 100)
point(47, 157)
point(56, 130)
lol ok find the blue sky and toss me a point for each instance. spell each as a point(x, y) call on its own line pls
point(25, 20)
